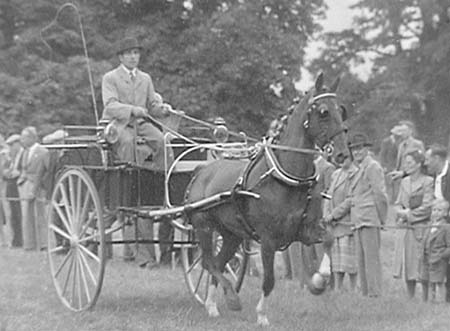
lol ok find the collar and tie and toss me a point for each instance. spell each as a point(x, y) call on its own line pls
point(24, 160)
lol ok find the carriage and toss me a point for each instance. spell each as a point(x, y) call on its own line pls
point(93, 196)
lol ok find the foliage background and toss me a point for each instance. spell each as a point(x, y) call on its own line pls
point(206, 57)
point(224, 58)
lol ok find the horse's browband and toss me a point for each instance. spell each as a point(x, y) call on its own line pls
point(324, 95)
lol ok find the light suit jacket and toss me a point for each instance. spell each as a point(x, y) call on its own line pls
point(121, 95)
point(32, 173)
point(367, 200)
point(340, 184)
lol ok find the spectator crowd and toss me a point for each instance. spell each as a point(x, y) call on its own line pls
point(405, 189)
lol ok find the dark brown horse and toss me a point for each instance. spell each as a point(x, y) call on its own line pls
point(285, 205)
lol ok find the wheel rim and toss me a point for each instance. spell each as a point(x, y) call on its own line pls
point(197, 278)
point(76, 240)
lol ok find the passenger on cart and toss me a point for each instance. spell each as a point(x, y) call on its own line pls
point(128, 98)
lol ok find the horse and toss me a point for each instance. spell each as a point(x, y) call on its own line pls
point(284, 204)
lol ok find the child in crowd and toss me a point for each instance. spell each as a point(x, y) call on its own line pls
point(436, 252)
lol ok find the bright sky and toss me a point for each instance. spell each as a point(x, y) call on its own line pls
point(338, 17)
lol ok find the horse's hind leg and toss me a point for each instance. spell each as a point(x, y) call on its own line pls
point(229, 247)
point(268, 257)
point(205, 235)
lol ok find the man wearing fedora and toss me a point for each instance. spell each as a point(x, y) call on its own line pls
point(129, 98)
point(367, 204)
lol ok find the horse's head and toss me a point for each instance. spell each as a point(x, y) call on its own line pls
point(321, 118)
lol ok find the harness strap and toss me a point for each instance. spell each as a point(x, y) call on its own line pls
point(279, 173)
point(240, 203)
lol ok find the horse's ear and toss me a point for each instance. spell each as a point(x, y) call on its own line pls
point(319, 82)
point(335, 85)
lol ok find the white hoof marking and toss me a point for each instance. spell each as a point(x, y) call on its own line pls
point(262, 320)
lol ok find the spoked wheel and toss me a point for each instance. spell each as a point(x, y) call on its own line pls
point(197, 278)
point(76, 240)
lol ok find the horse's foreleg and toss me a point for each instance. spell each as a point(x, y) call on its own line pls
point(268, 257)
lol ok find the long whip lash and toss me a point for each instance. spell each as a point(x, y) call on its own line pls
point(83, 39)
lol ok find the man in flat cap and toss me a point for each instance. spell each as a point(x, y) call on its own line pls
point(128, 98)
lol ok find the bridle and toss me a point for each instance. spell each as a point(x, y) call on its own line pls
point(328, 146)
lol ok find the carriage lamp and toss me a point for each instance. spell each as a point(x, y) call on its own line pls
point(111, 133)
point(220, 134)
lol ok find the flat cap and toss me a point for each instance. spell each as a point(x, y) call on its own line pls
point(55, 137)
point(13, 138)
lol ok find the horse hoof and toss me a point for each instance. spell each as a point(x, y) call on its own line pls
point(233, 302)
point(213, 312)
point(262, 320)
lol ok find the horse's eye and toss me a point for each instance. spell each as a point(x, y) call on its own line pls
point(323, 112)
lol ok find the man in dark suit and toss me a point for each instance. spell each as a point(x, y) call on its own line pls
point(388, 160)
point(438, 166)
point(11, 174)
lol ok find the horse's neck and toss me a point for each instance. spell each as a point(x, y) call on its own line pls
point(296, 163)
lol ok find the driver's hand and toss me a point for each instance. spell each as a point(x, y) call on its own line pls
point(139, 112)
point(166, 109)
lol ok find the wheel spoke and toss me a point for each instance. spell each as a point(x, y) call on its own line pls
point(83, 276)
point(59, 231)
point(91, 237)
point(73, 204)
point(83, 214)
point(68, 207)
point(64, 261)
point(194, 263)
point(199, 280)
point(74, 278)
point(208, 281)
point(80, 297)
point(78, 200)
point(88, 252)
point(231, 272)
point(62, 217)
point(57, 249)
point(88, 268)
point(66, 281)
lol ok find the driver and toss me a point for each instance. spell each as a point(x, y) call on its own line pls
point(128, 98)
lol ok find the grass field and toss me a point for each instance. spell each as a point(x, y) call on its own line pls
point(134, 299)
